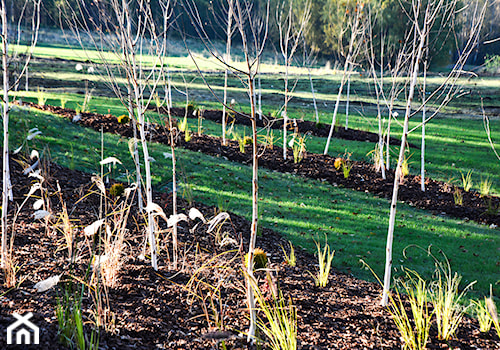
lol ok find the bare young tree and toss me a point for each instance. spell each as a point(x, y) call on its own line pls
point(378, 84)
point(290, 29)
point(130, 34)
point(423, 17)
point(354, 25)
point(34, 23)
point(253, 35)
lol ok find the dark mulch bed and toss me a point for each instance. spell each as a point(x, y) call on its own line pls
point(302, 126)
point(438, 196)
point(152, 309)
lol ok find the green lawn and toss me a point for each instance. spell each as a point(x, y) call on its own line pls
point(300, 209)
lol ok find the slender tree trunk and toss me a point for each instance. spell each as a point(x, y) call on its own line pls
point(135, 149)
point(259, 93)
point(337, 102)
point(226, 72)
point(347, 101)
point(313, 95)
point(5, 115)
point(285, 109)
point(174, 189)
point(255, 213)
point(422, 151)
point(398, 172)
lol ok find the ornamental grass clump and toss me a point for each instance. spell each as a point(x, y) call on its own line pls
point(445, 298)
point(325, 257)
point(414, 328)
point(277, 318)
point(290, 259)
point(467, 181)
point(482, 315)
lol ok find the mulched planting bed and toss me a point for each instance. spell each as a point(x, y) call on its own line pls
point(438, 197)
point(301, 126)
point(155, 309)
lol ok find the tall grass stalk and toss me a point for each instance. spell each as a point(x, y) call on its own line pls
point(325, 257)
point(414, 329)
point(467, 181)
point(279, 321)
point(290, 259)
point(445, 298)
point(482, 315)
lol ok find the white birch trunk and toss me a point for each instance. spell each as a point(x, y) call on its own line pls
point(226, 72)
point(255, 213)
point(347, 101)
point(5, 115)
point(313, 95)
point(422, 151)
point(397, 176)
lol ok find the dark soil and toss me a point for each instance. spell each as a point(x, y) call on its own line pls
point(294, 125)
point(155, 309)
point(438, 196)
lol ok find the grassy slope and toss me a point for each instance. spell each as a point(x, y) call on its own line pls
point(355, 223)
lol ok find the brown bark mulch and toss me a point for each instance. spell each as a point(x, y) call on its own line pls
point(301, 126)
point(154, 309)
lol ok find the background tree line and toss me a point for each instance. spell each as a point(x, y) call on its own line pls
point(326, 32)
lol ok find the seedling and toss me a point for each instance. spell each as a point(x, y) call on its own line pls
point(485, 186)
point(325, 257)
point(467, 181)
point(290, 259)
point(482, 315)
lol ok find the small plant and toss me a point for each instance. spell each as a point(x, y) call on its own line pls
point(187, 135)
point(458, 197)
point(482, 315)
point(467, 181)
point(445, 298)
point(485, 186)
point(290, 259)
point(123, 119)
point(183, 125)
point(70, 320)
point(325, 257)
point(492, 311)
point(377, 160)
point(414, 334)
point(200, 113)
point(41, 96)
point(64, 100)
point(405, 166)
point(269, 140)
point(242, 140)
point(346, 168)
point(279, 321)
point(298, 144)
point(259, 259)
point(338, 163)
point(191, 107)
point(116, 190)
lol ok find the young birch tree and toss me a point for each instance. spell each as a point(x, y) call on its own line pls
point(253, 35)
point(130, 34)
point(34, 23)
point(353, 23)
point(290, 29)
point(423, 17)
point(378, 89)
